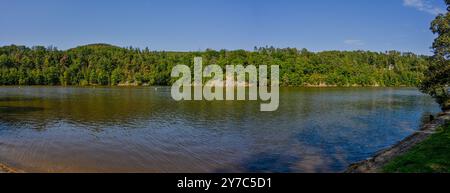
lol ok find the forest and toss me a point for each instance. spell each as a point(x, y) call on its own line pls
point(103, 64)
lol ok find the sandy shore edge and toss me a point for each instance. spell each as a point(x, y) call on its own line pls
point(375, 163)
point(6, 169)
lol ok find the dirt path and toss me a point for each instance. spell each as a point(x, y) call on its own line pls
point(374, 164)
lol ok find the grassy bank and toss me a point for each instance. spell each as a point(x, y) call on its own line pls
point(430, 156)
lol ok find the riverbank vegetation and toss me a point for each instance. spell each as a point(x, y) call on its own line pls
point(430, 156)
point(102, 64)
point(437, 77)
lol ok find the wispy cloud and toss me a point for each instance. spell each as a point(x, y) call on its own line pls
point(354, 42)
point(423, 5)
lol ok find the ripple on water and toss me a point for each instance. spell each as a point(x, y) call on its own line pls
point(143, 130)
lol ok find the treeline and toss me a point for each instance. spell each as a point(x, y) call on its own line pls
point(102, 64)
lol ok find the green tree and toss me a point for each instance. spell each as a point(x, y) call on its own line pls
point(109, 65)
point(51, 76)
point(437, 77)
point(116, 76)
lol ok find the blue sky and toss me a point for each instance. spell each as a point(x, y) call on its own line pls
point(185, 25)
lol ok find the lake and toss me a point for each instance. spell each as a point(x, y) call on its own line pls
point(142, 129)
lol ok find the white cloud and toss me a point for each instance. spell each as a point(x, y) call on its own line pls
point(423, 5)
point(354, 42)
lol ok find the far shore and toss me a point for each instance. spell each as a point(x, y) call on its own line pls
point(137, 86)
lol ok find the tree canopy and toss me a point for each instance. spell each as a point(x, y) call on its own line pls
point(103, 64)
point(437, 76)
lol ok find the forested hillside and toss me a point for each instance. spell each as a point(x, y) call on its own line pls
point(102, 64)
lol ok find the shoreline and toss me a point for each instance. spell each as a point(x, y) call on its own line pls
point(375, 163)
point(150, 86)
point(6, 169)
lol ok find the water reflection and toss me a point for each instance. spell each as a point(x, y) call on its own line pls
point(143, 130)
point(8, 110)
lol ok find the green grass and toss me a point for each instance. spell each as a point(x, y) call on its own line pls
point(430, 156)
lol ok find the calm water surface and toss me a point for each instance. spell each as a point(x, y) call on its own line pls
point(60, 129)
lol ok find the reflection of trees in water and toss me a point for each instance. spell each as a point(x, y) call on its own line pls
point(16, 99)
point(12, 109)
point(94, 108)
point(9, 116)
